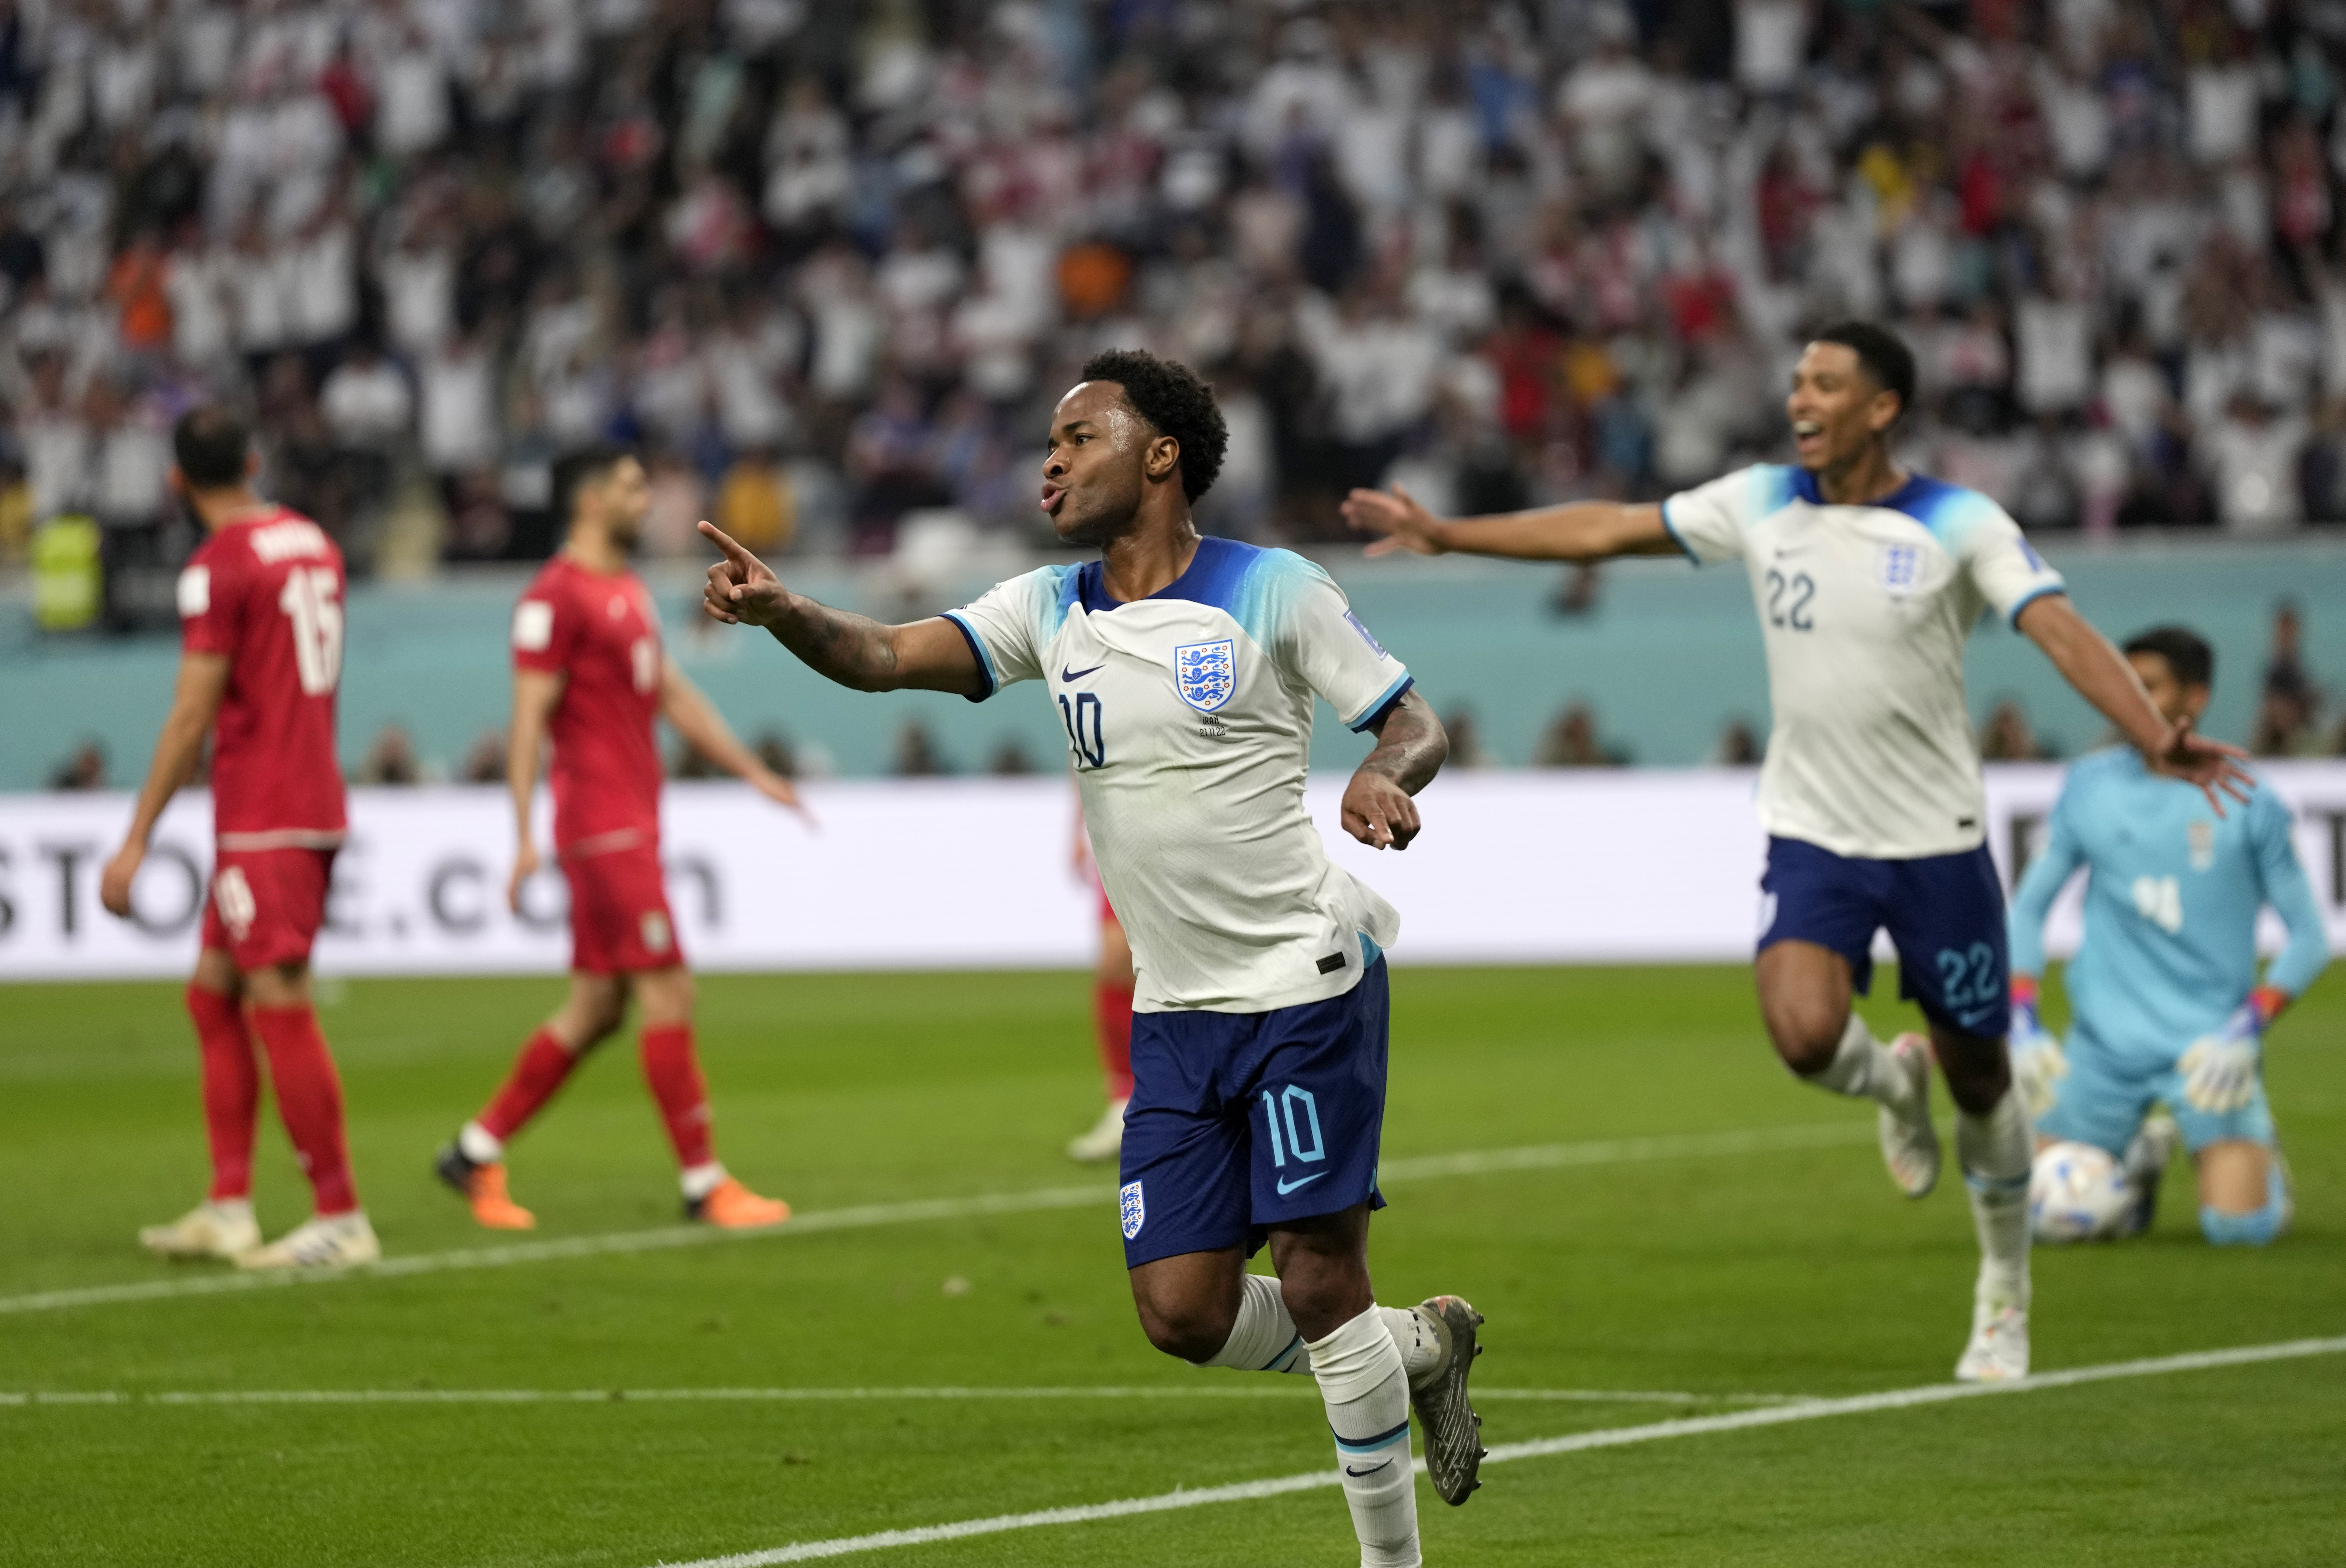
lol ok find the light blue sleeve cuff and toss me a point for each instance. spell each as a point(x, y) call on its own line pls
point(984, 660)
point(2030, 597)
point(1675, 537)
point(1377, 709)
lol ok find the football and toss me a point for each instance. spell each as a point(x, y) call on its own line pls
point(2078, 1193)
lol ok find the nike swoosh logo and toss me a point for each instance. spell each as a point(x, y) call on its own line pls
point(1286, 1186)
point(1370, 1471)
point(1066, 674)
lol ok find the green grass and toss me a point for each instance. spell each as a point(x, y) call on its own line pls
point(1793, 1271)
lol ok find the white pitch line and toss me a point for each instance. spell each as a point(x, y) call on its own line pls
point(1207, 1390)
point(1539, 1156)
point(1614, 1437)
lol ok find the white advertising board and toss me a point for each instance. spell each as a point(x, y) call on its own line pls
point(1633, 866)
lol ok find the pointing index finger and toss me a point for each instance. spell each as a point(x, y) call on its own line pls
point(725, 542)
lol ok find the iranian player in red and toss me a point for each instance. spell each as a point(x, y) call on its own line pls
point(260, 607)
point(589, 673)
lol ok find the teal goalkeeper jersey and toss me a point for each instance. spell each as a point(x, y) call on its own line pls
point(2172, 897)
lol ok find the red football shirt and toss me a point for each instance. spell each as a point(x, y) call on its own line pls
point(602, 635)
point(268, 593)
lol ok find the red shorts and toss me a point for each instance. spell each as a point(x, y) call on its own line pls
point(619, 922)
point(267, 905)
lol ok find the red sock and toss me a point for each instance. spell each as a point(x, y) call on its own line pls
point(1112, 1019)
point(674, 1074)
point(310, 1098)
point(537, 1073)
point(232, 1089)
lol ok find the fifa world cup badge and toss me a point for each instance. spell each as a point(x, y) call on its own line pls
point(2202, 837)
point(1130, 1209)
point(1206, 673)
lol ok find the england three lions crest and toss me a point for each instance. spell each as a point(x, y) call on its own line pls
point(1207, 673)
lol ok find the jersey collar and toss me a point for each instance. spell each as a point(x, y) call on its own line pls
point(1208, 579)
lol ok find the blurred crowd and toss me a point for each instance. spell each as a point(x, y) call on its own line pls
point(829, 261)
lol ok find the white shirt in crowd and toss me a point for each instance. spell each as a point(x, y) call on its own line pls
point(1864, 611)
point(1188, 719)
point(367, 402)
point(459, 425)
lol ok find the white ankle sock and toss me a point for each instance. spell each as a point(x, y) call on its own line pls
point(699, 1181)
point(1861, 1067)
point(1263, 1340)
point(1419, 1343)
point(479, 1145)
point(1997, 1151)
point(231, 1209)
point(1366, 1390)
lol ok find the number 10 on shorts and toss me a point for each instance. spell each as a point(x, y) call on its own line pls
point(1281, 1108)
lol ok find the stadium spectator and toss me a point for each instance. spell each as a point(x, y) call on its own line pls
point(2288, 703)
point(1466, 747)
point(84, 771)
point(2008, 737)
point(1570, 740)
point(916, 755)
point(1542, 251)
point(1736, 745)
point(390, 759)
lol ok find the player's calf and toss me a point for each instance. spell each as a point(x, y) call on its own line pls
point(2259, 1226)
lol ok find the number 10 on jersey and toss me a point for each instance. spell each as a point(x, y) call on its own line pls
point(1081, 715)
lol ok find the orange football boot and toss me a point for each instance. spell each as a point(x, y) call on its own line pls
point(730, 1206)
point(483, 1189)
point(493, 1207)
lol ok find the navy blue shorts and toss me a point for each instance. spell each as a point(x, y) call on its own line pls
point(1944, 914)
point(1243, 1121)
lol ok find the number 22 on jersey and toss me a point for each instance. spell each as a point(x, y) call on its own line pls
point(310, 601)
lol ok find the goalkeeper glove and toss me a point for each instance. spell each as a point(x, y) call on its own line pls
point(2038, 1064)
point(2220, 1071)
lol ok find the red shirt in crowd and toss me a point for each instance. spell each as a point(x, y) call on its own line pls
point(267, 594)
point(602, 635)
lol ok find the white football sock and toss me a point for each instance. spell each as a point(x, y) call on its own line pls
point(1861, 1067)
point(700, 1181)
point(1997, 1151)
point(1367, 1393)
point(479, 1145)
point(233, 1209)
point(1417, 1339)
point(1263, 1340)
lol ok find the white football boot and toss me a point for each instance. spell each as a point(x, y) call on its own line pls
point(1104, 1141)
point(211, 1229)
point(1998, 1351)
point(1910, 1144)
point(337, 1241)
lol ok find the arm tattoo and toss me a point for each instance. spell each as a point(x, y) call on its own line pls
point(854, 650)
point(1411, 745)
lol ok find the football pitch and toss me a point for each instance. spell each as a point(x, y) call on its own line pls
point(1694, 1270)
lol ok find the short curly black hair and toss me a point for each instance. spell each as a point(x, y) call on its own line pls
point(1172, 397)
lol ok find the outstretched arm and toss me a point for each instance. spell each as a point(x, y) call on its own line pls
point(853, 651)
point(688, 708)
point(2087, 661)
point(195, 703)
point(1581, 531)
point(1411, 750)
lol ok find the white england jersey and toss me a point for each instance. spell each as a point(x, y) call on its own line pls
point(1189, 716)
point(1865, 611)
